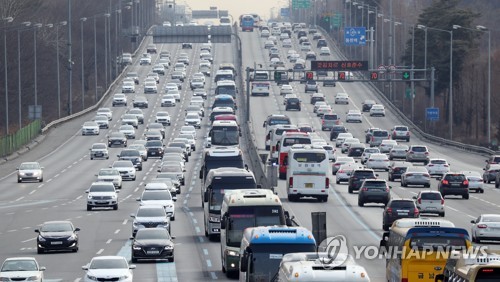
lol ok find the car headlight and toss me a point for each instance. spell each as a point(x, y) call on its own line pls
point(169, 247)
point(125, 276)
point(41, 239)
point(72, 237)
point(231, 253)
point(21, 173)
point(32, 278)
point(91, 277)
point(136, 248)
point(214, 219)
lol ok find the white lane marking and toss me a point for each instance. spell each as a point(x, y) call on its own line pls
point(109, 241)
point(31, 239)
point(209, 263)
point(197, 229)
point(453, 209)
point(117, 231)
point(125, 221)
point(205, 251)
point(214, 277)
point(99, 252)
point(32, 192)
point(202, 240)
point(195, 221)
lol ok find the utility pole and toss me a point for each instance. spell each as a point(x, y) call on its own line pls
point(70, 63)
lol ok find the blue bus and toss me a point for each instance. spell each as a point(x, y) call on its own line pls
point(247, 23)
point(262, 249)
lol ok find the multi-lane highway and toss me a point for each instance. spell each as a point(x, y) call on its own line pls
point(69, 172)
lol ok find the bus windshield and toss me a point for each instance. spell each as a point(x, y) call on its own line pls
point(266, 258)
point(226, 89)
point(225, 136)
point(244, 217)
point(292, 141)
point(227, 183)
point(309, 157)
point(223, 103)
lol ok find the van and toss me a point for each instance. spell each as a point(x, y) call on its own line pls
point(328, 121)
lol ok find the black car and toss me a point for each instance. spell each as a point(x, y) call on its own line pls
point(356, 150)
point(133, 155)
point(321, 43)
point(57, 236)
point(117, 138)
point(358, 176)
point(396, 209)
point(397, 169)
point(367, 105)
point(454, 184)
point(152, 243)
point(187, 46)
point(140, 102)
point(292, 104)
point(336, 129)
point(154, 148)
point(157, 126)
point(301, 33)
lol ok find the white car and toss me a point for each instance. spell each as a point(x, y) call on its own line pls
point(305, 46)
point(284, 36)
point(153, 75)
point(437, 167)
point(197, 82)
point(90, 128)
point(347, 144)
point(145, 59)
point(171, 86)
point(341, 137)
point(162, 117)
point(128, 86)
point(475, 180)
point(99, 150)
point(342, 98)
point(110, 175)
point(105, 112)
point(150, 87)
point(126, 169)
point(108, 268)
point(354, 116)
point(175, 93)
point(290, 53)
point(21, 269)
point(322, 110)
point(128, 130)
point(344, 172)
point(287, 43)
point(386, 145)
point(188, 129)
point(340, 161)
point(485, 227)
point(159, 197)
point(130, 119)
point(168, 100)
point(165, 62)
point(102, 121)
point(119, 99)
point(102, 194)
point(193, 119)
point(286, 89)
point(377, 110)
point(378, 161)
point(159, 69)
point(367, 152)
point(264, 33)
point(324, 51)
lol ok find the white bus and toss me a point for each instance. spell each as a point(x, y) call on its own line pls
point(227, 87)
point(307, 172)
point(313, 267)
point(225, 21)
point(242, 209)
point(225, 133)
point(275, 137)
point(260, 88)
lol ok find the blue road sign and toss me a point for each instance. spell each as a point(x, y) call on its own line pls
point(432, 114)
point(355, 36)
point(285, 12)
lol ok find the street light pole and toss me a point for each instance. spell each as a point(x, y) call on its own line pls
point(70, 63)
point(488, 99)
point(58, 73)
point(95, 59)
point(19, 89)
point(8, 20)
point(82, 20)
point(36, 26)
point(424, 28)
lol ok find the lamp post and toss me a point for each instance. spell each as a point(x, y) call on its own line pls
point(481, 28)
point(58, 74)
point(82, 20)
point(95, 59)
point(106, 47)
point(35, 28)
point(19, 90)
point(70, 63)
point(424, 28)
point(7, 20)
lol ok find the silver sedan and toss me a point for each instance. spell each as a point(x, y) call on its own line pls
point(486, 227)
point(416, 175)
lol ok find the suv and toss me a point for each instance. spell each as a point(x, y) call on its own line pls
point(335, 130)
point(292, 103)
point(430, 202)
point(358, 176)
point(418, 153)
point(494, 159)
point(102, 194)
point(321, 43)
point(311, 86)
point(117, 138)
point(454, 184)
point(328, 121)
point(397, 169)
point(367, 105)
point(132, 155)
point(369, 133)
point(400, 132)
point(396, 209)
point(377, 137)
point(150, 216)
point(374, 191)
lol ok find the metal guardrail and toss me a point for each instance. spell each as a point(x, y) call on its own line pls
point(402, 116)
point(98, 104)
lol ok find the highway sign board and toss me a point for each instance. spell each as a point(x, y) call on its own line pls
point(432, 114)
point(301, 4)
point(285, 12)
point(355, 36)
point(339, 65)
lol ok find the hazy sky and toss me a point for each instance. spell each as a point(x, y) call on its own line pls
point(238, 7)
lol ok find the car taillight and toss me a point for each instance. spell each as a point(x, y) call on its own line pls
point(427, 175)
point(445, 165)
point(430, 165)
point(370, 159)
point(445, 182)
point(387, 189)
point(373, 138)
point(389, 210)
point(466, 182)
point(323, 121)
point(290, 182)
point(442, 201)
point(340, 171)
point(409, 174)
point(364, 189)
point(408, 133)
point(419, 200)
point(426, 153)
point(327, 182)
point(416, 212)
point(482, 226)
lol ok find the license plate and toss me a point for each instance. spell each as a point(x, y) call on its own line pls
point(153, 252)
point(101, 202)
point(455, 185)
point(153, 153)
point(56, 243)
point(402, 213)
point(431, 208)
point(98, 155)
point(309, 185)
